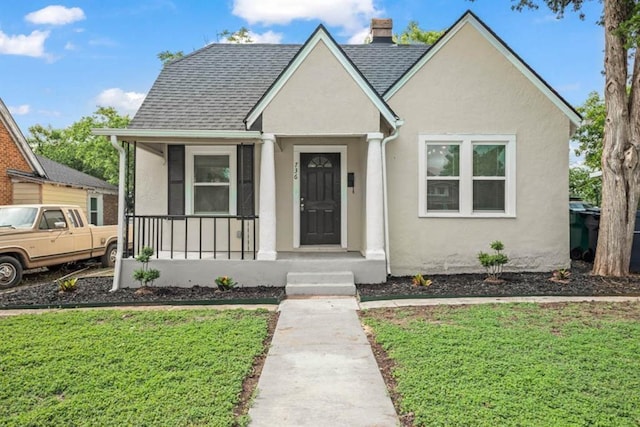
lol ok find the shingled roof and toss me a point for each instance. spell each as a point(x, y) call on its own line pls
point(62, 174)
point(215, 87)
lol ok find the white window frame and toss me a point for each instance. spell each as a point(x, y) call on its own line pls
point(466, 143)
point(98, 211)
point(205, 150)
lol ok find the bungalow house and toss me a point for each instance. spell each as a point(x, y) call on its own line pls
point(27, 178)
point(278, 164)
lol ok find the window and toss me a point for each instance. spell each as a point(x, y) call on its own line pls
point(95, 209)
point(211, 180)
point(467, 175)
point(50, 219)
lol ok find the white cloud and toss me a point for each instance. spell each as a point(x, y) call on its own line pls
point(359, 36)
point(348, 14)
point(56, 15)
point(266, 37)
point(20, 110)
point(69, 46)
point(124, 102)
point(31, 45)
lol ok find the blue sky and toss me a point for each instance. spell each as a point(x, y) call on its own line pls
point(59, 60)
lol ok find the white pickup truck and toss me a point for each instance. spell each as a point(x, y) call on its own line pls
point(49, 236)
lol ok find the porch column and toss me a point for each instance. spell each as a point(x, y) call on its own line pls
point(267, 211)
point(374, 202)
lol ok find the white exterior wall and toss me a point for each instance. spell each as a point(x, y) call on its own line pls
point(321, 97)
point(468, 87)
point(151, 184)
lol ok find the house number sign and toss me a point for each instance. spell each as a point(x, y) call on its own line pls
point(295, 170)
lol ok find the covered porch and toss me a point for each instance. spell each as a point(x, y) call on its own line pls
point(255, 241)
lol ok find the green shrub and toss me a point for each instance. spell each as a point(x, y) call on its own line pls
point(68, 285)
point(225, 283)
point(419, 280)
point(494, 262)
point(145, 275)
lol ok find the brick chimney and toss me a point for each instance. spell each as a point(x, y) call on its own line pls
point(381, 30)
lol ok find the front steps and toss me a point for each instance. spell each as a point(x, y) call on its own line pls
point(339, 283)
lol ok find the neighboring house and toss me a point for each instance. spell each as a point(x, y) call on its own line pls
point(372, 159)
point(27, 178)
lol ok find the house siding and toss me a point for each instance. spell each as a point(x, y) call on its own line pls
point(356, 152)
point(58, 195)
point(321, 97)
point(110, 209)
point(468, 87)
point(11, 158)
point(26, 193)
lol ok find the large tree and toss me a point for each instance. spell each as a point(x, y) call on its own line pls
point(414, 34)
point(621, 144)
point(76, 147)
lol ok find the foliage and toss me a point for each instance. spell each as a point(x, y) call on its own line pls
point(591, 133)
point(419, 280)
point(414, 34)
point(145, 275)
point(225, 283)
point(562, 274)
point(242, 36)
point(114, 368)
point(167, 56)
point(494, 263)
point(583, 186)
point(515, 364)
point(77, 148)
point(68, 285)
point(621, 144)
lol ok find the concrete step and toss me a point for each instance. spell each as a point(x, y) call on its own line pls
point(321, 284)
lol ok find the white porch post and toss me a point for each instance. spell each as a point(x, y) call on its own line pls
point(267, 211)
point(374, 202)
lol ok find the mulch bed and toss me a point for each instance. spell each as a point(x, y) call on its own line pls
point(579, 283)
point(96, 291)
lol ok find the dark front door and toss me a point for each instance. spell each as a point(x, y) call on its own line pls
point(320, 198)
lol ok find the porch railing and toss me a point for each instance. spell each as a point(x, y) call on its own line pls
point(184, 236)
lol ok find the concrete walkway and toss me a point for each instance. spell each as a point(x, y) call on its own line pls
point(320, 370)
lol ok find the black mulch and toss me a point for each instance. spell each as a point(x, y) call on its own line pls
point(580, 282)
point(95, 291)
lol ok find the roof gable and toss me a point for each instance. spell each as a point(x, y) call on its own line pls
point(471, 19)
point(318, 36)
point(19, 139)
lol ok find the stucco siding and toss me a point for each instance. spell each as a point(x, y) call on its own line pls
point(151, 184)
point(320, 97)
point(468, 87)
point(356, 151)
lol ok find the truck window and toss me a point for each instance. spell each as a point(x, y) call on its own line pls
point(72, 218)
point(49, 219)
point(78, 217)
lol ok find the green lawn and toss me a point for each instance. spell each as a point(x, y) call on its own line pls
point(515, 365)
point(115, 368)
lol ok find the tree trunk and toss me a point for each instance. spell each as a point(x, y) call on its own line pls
point(620, 169)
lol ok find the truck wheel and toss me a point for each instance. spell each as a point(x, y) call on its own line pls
point(109, 257)
point(10, 272)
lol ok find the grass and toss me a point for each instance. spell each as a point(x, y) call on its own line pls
point(114, 368)
point(515, 365)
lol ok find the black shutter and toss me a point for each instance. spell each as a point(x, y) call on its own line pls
point(175, 161)
point(245, 180)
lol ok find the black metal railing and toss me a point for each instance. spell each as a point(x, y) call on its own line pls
point(176, 236)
